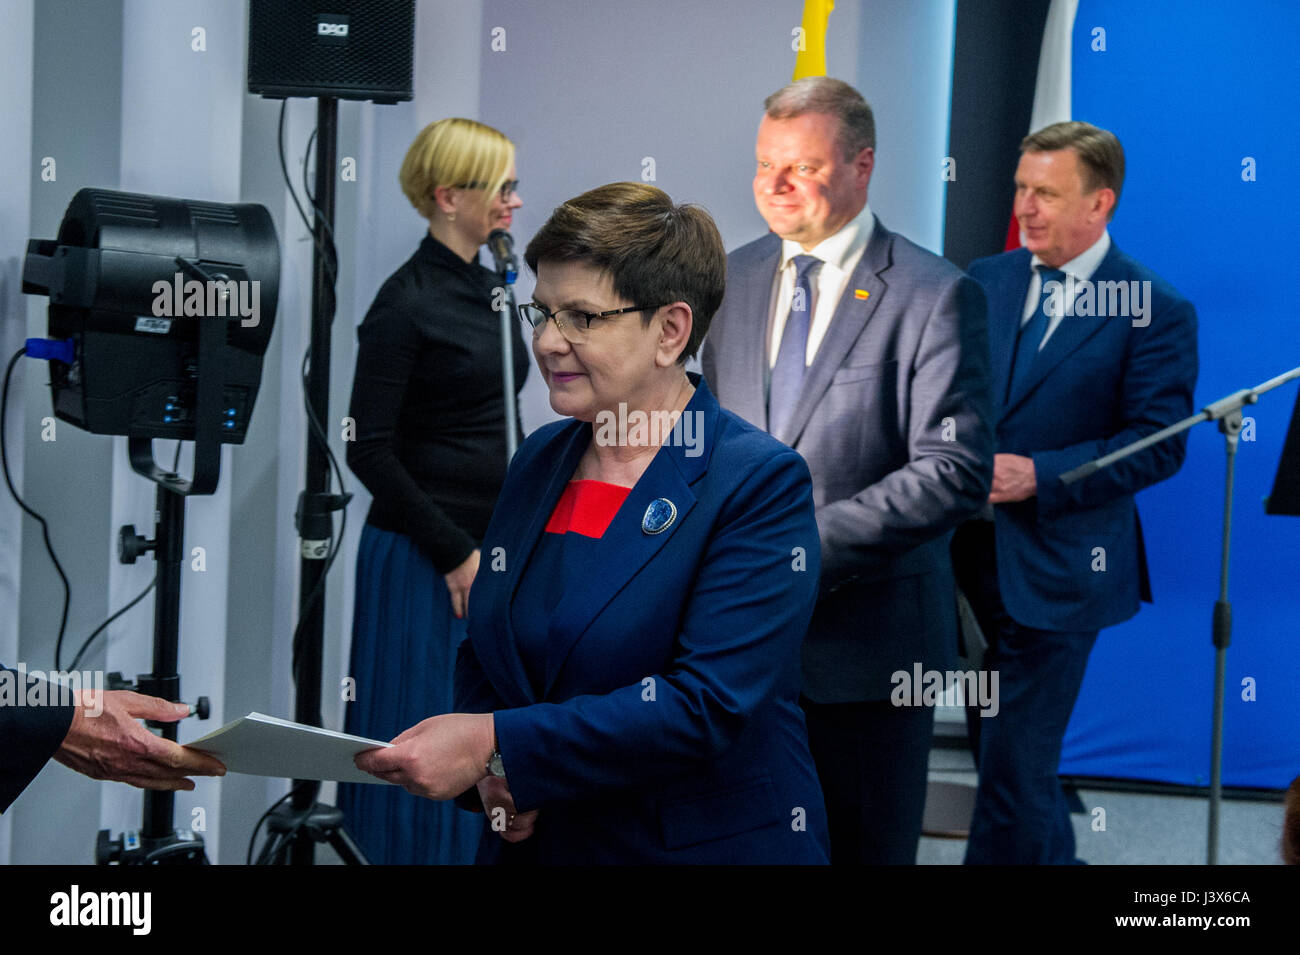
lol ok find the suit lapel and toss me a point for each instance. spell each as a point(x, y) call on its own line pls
point(615, 559)
point(626, 548)
point(1072, 332)
point(851, 316)
point(1006, 305)
point(746, 389)
point(531, 517)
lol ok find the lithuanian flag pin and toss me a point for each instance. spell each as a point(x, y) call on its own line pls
point(861, 294)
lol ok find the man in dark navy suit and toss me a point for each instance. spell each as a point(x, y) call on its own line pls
point(1090, 352)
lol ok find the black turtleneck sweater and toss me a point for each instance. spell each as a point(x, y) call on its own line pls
point(428, 404)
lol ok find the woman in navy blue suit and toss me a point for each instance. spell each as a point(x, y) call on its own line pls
point(628, 691)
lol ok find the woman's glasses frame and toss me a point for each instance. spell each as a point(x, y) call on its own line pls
point(508, 188)
point(572, 323)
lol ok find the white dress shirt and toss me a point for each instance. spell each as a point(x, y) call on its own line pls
point(1081, 267)
point(840, 254)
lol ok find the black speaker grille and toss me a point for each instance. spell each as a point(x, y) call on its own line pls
point(287, 56)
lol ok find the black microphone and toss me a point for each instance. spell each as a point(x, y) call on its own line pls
point(502, 247)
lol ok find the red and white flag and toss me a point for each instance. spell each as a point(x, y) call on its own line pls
point(1052, 89)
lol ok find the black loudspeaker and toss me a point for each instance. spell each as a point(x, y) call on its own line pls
point(349, 49)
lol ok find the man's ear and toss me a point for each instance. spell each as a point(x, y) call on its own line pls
point(863, 163)
point(1104, 202)
point(675, 333)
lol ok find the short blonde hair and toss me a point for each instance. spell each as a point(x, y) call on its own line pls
point(454, 152)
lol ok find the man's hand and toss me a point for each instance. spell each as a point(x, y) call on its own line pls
point(500, 805)
point(438, 758)
point(1013, 479)
point(108, 743)
point(459, 581)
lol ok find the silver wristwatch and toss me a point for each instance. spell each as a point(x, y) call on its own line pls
point(494, 765)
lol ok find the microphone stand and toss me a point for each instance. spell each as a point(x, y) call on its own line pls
point(1226, 411)
point(501, 245)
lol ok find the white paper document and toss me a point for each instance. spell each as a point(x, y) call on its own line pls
point(262, 745)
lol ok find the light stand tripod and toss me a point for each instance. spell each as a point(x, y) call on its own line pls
point(158, 842)
point(127, 358)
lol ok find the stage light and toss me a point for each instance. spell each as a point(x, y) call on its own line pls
point(160, 313)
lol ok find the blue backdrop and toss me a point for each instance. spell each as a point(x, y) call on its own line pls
point(1192, 90)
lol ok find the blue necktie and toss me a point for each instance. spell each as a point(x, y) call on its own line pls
point(1032, 331)
point(788, 372)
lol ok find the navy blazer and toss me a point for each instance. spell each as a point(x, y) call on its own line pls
point(669, 729)
point(29, 737)
point(894, 421)
point(1072, 557)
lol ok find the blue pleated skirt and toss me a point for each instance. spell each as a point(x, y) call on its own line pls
point(404, 642)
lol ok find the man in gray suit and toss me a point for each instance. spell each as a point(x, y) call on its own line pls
point(868, 355)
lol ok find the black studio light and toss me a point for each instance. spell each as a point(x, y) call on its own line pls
point(160, 313)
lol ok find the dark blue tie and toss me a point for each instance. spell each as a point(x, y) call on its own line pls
point(1032, 331)
point(788, 372)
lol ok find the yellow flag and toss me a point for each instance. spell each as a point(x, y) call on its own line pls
point(810, 41)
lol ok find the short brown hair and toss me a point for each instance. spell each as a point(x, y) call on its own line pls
point(655, 252)
point(1099, 152)
point(822, 94)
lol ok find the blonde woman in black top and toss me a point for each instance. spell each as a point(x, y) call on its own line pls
point(430, 447)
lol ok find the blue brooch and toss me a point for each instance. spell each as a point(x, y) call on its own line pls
point(659, 516)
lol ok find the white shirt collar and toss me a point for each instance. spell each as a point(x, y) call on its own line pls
point(1085, 263)
point(838, 249)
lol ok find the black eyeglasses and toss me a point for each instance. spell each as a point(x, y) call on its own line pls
point(508, 188)
point(572, 323)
